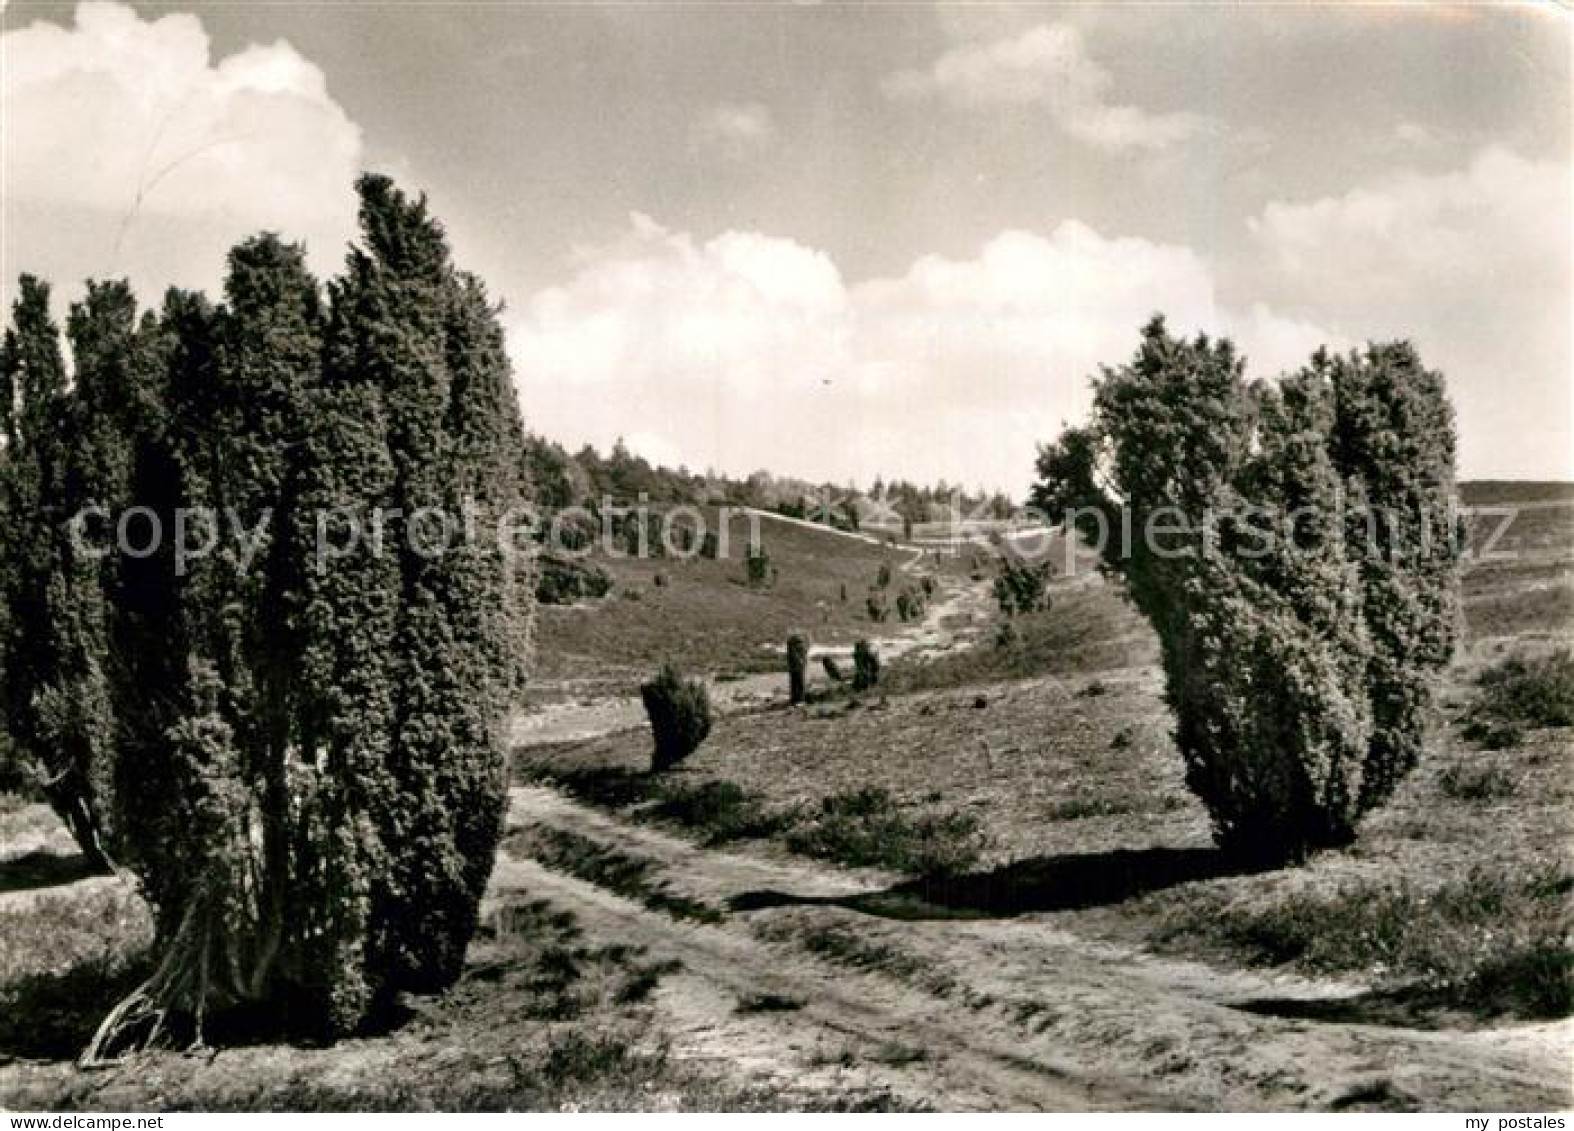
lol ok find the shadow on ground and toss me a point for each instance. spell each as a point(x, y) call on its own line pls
point(1420, 1005)
point(1049, 883)
point(44, 870)
point(51, 1016)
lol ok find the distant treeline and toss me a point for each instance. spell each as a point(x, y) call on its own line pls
point(585, 478)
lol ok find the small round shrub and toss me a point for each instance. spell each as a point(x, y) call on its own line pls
point(680, 716)
point(562, 580)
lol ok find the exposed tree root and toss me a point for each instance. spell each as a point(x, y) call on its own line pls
point(201, 966)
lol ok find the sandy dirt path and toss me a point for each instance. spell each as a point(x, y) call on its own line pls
point(846, 1027)
point(1006, 1014)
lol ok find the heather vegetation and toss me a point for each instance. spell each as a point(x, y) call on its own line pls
point(1520, 694)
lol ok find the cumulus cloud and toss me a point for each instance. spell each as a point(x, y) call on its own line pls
point(1047, 65)
point(129, 149)
point(733, 128)
point(658, 300)
point(1474, 265)
point(1383, 237)
point(748, 351)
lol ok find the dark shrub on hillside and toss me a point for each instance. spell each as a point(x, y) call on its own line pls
point(757, 565)
point(680, 716)
point(882, 577)
point(563, 580)
point(1299, 668)
point(833, 670)
point(1021, 587)
point(876, 607)
point(1520, 694)
point(866, 666)
point(678, 536)
point(798, 667)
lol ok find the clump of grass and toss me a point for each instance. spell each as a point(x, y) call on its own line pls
point(845, 947)
point(606, 787)
point(629, 876)
point(716, 811)
point(1518, 695)
point(719, 812)
point(1470, 781)
point(1080, 808)
point(1487, 942)
point(534, 953)
point(867, 828)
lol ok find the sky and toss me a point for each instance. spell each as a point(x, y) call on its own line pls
point(846, 241)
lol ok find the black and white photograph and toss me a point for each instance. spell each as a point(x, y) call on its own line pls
point(797, 556)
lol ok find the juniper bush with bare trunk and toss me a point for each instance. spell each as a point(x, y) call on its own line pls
point(299, 754)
